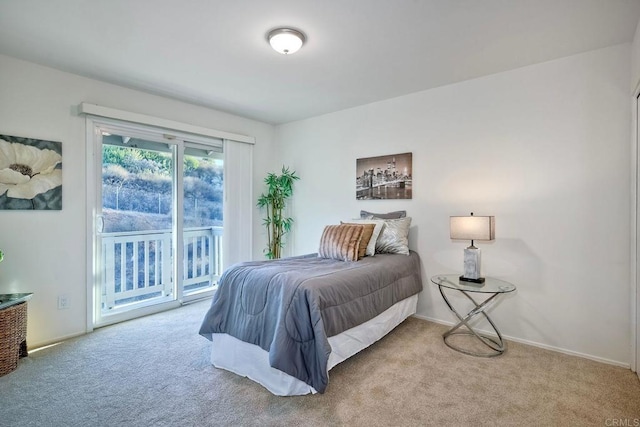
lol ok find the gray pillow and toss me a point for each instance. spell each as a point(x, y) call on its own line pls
point(388, 215)
point(394, 237)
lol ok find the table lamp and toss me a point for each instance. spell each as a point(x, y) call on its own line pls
point(472, 228)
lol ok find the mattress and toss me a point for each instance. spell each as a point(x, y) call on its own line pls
point(291, 307)
point(251, 361)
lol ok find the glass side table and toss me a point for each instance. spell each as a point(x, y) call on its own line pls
point(493, 288)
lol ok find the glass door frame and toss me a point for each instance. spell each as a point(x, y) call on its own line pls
point(214, 266)
point(176, 141)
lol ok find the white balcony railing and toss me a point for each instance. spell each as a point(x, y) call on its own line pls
point(137, 264)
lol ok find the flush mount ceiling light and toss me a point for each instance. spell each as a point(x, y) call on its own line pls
point(286, 40)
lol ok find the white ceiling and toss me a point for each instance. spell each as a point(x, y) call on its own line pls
point(214, 52)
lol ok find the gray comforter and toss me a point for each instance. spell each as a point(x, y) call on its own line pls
point(289, 307)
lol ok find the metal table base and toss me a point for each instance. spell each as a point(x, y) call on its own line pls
point(496, 344)
point(492, 288)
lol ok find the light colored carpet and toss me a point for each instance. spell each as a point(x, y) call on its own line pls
point(155, 371)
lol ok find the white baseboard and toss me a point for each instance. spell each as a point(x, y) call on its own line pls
point(536, 344)
point(56, 341)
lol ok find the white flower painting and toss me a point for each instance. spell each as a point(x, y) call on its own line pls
point(30, 173)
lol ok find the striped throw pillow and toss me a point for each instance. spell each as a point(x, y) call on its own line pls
point(367, 235)
point(341, 242)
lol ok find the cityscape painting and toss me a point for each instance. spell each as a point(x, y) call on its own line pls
point(384, 177)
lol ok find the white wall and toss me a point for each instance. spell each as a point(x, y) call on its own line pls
point(544, 148)
point(635, 290)
point(635, 58)
point(45, 251)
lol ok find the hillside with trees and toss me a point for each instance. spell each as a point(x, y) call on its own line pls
point(137, 188)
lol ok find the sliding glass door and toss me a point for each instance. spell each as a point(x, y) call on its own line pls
point(158, 217)
point(203, 185)
point(136, 217)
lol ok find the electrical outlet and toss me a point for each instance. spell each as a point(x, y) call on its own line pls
point(63, 302)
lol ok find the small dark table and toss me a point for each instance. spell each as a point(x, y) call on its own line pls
point(494, 288)
point(7, 300)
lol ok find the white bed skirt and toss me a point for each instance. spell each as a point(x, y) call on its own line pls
point(251, 361)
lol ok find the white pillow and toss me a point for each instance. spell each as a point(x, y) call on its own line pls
point(379, 225)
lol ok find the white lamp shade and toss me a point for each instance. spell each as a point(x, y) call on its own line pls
point(473, 227)
point(286, 41)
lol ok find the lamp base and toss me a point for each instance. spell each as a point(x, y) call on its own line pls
point(472, 265)
point(478, 280)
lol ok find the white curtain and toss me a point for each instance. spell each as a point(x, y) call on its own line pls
point(238, 202)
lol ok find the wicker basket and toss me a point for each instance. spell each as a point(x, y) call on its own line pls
point(13, 336)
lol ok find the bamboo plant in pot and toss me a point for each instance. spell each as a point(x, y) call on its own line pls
point(279, 190)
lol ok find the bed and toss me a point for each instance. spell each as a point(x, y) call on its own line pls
point(285, 323)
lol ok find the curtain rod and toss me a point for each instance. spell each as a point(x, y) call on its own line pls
point(113, 113)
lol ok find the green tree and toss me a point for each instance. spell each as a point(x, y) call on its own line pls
point(279, 189)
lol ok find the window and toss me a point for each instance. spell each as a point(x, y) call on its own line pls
point(162, 205)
